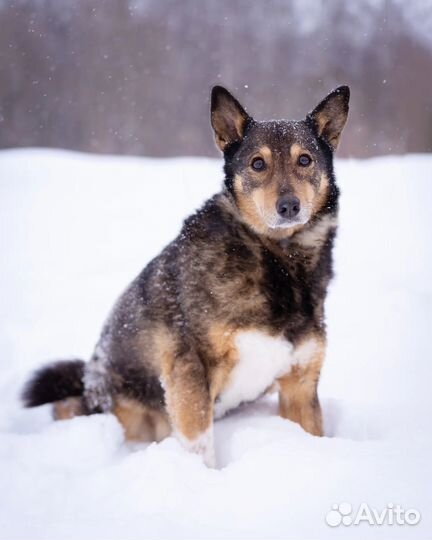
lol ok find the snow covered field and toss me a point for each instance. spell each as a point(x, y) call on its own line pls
point(75, 229)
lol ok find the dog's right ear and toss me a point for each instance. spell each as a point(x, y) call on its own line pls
point(228, 118)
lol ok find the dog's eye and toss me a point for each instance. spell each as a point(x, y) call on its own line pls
point(304, 160)
point(258, 164)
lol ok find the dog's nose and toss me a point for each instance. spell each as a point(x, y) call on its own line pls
point(288, 206)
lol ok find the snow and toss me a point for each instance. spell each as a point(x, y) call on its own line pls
point(75, 229)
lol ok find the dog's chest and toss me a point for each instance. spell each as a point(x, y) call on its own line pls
point(261, 360)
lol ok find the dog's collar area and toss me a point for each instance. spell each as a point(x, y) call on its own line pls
point(285, 243)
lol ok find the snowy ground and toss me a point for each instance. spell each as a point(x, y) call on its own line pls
point(75, 229)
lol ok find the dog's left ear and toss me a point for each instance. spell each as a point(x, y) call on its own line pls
point(228, 118)
point(330, 115)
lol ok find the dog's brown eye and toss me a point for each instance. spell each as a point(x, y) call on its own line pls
point(304, 160)
point(258, 164)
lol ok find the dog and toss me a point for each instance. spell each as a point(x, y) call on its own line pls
point(234, 306)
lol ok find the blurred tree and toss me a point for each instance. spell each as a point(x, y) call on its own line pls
point(134, 76)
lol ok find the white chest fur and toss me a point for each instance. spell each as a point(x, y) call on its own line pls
point(261, 360)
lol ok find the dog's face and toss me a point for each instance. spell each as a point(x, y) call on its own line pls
point(279, 171)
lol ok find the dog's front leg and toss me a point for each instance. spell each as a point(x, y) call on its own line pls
point(190, 407)
point(298, 397)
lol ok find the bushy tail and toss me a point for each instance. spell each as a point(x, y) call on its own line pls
point(55, 382)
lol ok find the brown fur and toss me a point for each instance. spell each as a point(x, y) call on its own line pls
point(68, 408)
point(228, 121)
point(329, 120)
point(188, 398)
point(221, 341)
point(298, 395)
point(141, 423)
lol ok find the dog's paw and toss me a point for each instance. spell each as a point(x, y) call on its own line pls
point(202, 445)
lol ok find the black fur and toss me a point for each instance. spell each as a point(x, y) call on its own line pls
point(55, 382)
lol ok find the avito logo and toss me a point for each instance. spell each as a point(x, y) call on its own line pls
point(392, 514)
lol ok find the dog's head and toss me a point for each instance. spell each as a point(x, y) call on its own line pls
point(280, 173)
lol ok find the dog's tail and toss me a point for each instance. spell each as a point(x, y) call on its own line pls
point(55, 382)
